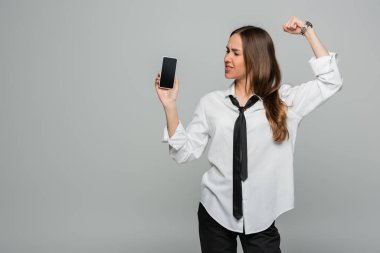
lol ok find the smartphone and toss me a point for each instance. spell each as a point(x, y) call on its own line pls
point(168, 72)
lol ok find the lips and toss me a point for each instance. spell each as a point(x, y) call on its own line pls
point(228, 68)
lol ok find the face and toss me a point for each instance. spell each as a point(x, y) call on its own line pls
point(234, 60)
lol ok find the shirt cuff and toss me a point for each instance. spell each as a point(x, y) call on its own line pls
point(323, 64)
point(178, 139)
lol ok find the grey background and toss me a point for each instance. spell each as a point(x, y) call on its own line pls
point(83, 168)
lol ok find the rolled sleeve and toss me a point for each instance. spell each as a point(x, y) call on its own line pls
point(323, 65)
point(308, 96)
point(178, 139)
point(189, 144)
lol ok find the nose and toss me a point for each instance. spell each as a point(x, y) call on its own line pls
point(227, 59)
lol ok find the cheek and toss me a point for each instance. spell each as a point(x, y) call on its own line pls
point(239, 60)
point(240, 66)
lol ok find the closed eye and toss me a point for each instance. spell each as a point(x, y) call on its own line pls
point(229, 51)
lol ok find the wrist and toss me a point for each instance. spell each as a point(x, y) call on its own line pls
point(305, 29)
point(170, 106)
point(309, 32)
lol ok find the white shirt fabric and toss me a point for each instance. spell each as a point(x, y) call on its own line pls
point(269, 189)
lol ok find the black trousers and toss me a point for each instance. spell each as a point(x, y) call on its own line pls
point(215, 238)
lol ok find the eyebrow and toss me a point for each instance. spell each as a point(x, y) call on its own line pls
point(234, 49)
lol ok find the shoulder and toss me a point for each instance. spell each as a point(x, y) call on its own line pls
point(285, 90)
point(211, 96)
point(286, 93)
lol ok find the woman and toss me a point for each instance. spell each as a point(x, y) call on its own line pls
point(252, 128)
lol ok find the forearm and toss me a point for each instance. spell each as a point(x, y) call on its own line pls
point(171, 118)
point(316, 45)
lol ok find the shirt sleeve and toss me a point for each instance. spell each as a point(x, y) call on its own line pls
point(189, 144)
point(306, 97)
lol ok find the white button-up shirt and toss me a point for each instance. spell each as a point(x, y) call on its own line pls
point(269, 189)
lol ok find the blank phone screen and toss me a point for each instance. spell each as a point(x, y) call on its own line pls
point(168, 72)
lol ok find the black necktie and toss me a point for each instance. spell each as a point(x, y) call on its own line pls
point(240, 171)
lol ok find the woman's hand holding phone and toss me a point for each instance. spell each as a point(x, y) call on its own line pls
point(167, 97)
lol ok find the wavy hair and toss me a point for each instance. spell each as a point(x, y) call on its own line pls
point(260, 61)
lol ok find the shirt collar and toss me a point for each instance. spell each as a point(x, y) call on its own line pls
point(231, 91)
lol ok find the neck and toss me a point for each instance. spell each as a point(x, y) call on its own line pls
point(240, 88)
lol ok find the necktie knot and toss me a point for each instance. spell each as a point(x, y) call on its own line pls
point(251, 101)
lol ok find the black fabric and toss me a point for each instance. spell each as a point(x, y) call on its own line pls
point(240, 171)
point(214, 238)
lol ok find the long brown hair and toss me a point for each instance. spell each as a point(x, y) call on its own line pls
point(260, 61)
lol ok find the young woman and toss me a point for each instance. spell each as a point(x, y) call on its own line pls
point(252, 129)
